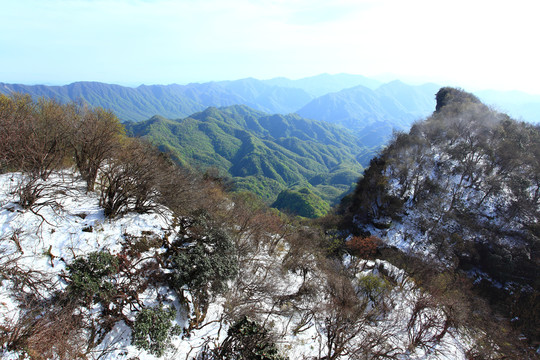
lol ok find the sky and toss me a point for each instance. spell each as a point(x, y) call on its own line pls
point(474, 44)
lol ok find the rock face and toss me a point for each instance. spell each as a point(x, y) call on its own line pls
point(449, 95)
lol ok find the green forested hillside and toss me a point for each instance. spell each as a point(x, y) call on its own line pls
point(171, 101)
point(301, 202)
point(367, 107)
point(126, 102)
point(263, 153)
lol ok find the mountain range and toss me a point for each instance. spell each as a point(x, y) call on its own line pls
point(366, 106)
point(229, 126)
point(265, 154)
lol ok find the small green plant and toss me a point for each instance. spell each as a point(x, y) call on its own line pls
point(89, 276)
point(202, 258)
point(373, 287)
point(153, 329)
point(248, 340)
point(206, 258)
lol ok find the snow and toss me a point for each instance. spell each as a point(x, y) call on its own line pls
point(52, 236)
point(72, 224)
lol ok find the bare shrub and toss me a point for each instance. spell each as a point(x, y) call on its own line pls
point(95, 136)
point(15, 112)
point(33, 193)
point(351, 325)
point(47, 327)
point(254, 224)
point(245, 340)
point(130, 180)
point(29, 190)
point(49, 330)
point(33, 134)
point(181, 191)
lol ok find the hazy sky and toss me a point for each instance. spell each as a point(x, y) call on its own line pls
point(474, 44)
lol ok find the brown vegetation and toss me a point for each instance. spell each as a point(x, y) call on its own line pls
point(221, 235)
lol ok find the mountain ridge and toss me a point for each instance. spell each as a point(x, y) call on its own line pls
point(461, 189)
point(370, 108)
point(252, 147)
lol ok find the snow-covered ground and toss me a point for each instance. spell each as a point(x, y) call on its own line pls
point(70, 224)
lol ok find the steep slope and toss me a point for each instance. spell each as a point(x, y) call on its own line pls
point(145, 286)
point(262, 153)
point(463, 189)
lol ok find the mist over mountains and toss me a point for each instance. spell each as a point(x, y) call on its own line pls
point(364, 105)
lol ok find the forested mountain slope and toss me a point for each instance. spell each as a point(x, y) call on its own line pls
point(368, 107)
point(463, 188)
point(279, 95)
point(325, 83)
point(171, 101)
point(109, 250)
point(127, 103)
point(371, 109)
point(263, 153)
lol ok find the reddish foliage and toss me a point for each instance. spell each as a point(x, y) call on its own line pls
point(363, 247)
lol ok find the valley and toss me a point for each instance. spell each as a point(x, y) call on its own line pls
point(265, 148)
point(374, 221)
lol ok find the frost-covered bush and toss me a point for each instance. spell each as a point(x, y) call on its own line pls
point(153, 329)
point(89, 276)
